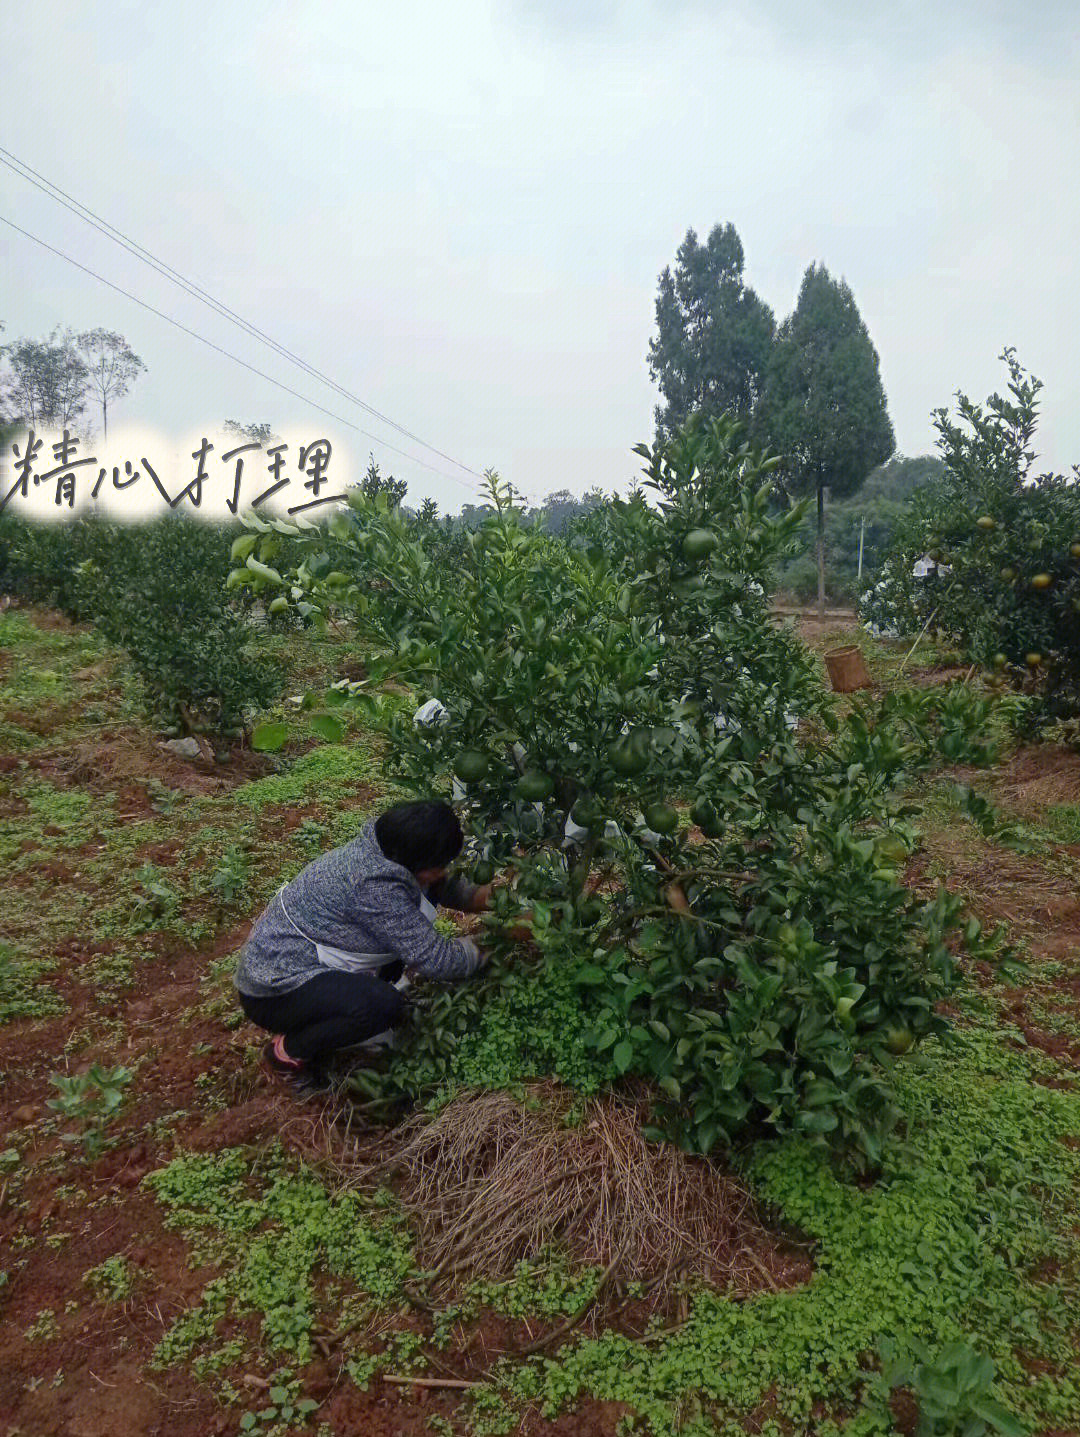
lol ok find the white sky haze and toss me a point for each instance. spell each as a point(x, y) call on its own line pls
point(459, 212)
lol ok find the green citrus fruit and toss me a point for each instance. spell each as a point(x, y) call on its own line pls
point(706, 818)
point(627, 758)
point(986, 522)
point(586, 814)
point(1033, 660)
point(1008, 574)
point(699, 544)
point(1000, 660)
point(1074, 549)
point(661, 818)
point(471, 766)
point(534, 787)
point(899, 1040)
point(1042, 581)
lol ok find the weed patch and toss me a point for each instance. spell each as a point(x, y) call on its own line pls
point(21, 995)
point(273, 1231)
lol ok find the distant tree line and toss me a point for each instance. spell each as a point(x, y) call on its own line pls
point(808, 388)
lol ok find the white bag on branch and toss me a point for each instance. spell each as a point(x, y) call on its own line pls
point(429, 714)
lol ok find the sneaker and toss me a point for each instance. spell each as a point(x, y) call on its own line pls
point(305, 1080)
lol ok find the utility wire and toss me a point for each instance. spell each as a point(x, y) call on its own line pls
point(235, 358)
point(32, 176)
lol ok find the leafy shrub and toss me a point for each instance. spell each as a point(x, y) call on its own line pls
point(1001, 548)
point(39, 561)
point(156, 590)
point(947, 722)
point(768, 975)
point(160, 596)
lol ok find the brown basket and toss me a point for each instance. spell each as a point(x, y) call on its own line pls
point(847, 669)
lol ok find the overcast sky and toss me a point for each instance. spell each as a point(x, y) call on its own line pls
point(459, 211)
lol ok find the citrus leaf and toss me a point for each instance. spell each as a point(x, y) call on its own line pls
point(269, 737)
point(328, 727)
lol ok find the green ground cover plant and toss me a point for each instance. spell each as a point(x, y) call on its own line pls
point(273, 1229)
point(22, 995)
point(949, 1247)
point(945, 1248)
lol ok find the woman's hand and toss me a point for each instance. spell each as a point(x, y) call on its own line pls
point(481, 899)
point(520, 930)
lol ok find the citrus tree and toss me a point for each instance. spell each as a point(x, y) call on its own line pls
point(156, 590)
point(1000, 548)
point(619, 724)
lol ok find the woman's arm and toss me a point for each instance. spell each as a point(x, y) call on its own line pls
point(465, 897)
point(398, 927)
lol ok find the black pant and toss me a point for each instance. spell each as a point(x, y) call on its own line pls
point(331, 1011)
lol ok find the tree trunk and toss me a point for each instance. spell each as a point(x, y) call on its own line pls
point(821, 549)
point(104, 417)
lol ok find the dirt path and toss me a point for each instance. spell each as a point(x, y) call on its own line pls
point(72, 1365)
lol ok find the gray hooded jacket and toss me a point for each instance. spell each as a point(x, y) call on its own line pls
point(355, 899)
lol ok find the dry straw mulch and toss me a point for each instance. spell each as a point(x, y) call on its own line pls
point(491, 1180)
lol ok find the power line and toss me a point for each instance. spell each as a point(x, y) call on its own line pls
point(235, 358)
point(26, 172)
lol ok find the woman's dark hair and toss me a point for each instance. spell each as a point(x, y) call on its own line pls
point(420, 835)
